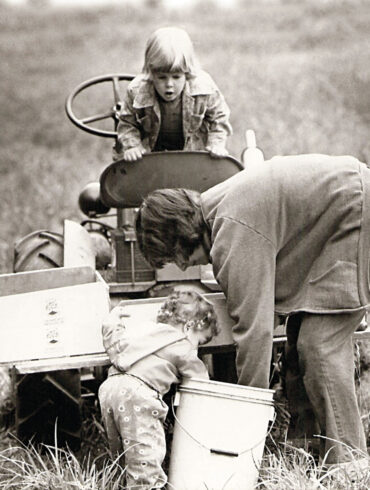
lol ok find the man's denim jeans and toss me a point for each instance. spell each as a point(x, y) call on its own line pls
point(320, 351)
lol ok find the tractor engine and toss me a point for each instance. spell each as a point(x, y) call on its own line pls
point(117, 254)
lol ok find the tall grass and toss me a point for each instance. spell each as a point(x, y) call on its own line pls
point(289, 468)
point(55, 469)
point(296, 72)
point(284, 467)
point(292, 468)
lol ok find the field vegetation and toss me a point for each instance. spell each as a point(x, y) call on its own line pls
point(295, 71)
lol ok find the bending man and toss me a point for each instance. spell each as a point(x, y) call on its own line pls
point(292, 237)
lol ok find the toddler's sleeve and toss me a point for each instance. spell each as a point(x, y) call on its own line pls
point(190, 366)
point(217, 115)
point(113, 331)
point(128, 131)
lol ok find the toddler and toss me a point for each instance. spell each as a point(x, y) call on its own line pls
point(146, 361)
point(172, 105)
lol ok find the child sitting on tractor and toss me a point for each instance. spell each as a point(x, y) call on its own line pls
point(146, 360)
point(172, 105)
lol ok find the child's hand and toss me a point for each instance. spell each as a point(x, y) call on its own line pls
point(217, 151)
point(133, 154)
point(115, 318)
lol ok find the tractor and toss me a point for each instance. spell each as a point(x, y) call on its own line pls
point(105, 241)
point(122, 187)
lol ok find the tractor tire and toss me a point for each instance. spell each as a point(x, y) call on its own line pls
point(48, 407)
point(39, 250)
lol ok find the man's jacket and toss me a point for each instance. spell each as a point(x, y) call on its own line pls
point(292, 235)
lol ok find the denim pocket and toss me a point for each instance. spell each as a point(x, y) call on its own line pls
point(195, 122)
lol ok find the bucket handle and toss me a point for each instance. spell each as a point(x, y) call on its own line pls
point(222, 451)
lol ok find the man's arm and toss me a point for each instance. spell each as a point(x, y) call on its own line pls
point(244, 265)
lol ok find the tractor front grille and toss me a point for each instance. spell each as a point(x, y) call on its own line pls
point(130, 265)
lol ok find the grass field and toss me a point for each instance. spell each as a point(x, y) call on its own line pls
point(296, 72)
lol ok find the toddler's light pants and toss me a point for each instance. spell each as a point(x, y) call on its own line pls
point(133, 415)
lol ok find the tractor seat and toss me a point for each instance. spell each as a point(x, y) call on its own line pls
point(125, 184)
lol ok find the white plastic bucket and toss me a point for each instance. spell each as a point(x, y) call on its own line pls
point(219, 435)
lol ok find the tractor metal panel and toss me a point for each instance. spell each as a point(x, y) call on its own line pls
point(125, 184)
point(78, 246)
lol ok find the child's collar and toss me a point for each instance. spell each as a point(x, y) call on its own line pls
point(201, 84)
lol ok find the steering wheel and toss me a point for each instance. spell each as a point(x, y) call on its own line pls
point(112, 113)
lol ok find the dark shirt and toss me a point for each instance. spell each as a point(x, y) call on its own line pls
point(171, 135)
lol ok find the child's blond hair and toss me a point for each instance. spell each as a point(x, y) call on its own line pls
point(168, 50)
point(191, 309)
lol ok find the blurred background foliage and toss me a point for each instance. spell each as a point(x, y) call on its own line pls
point(295, 71)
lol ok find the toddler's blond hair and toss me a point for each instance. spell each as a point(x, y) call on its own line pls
point(168, 50)
point(189, 308)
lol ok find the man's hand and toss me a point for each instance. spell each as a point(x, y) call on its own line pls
point(133, 154)
point(217, 151)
